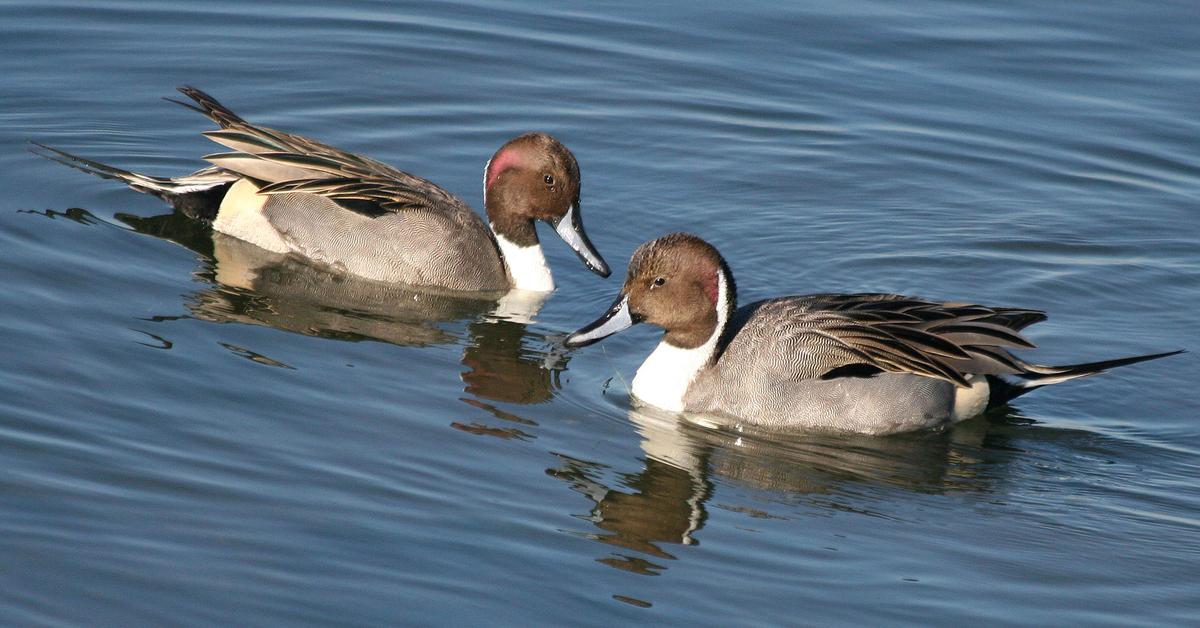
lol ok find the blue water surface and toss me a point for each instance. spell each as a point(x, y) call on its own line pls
point(183, 447)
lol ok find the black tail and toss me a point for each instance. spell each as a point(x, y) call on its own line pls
point(1038, 375)
point(197, 195)
point(139, 182)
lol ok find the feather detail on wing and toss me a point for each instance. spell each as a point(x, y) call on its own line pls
point(287, 163)
point(829, 335)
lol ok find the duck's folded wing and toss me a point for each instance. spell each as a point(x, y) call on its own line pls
point(826, 336)
point(366, 190)
point(287, 163)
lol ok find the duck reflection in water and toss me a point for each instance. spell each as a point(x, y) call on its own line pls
point(254, 286)
point(667, 502)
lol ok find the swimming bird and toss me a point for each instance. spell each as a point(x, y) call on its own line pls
point(870, 363)
point(291, 194)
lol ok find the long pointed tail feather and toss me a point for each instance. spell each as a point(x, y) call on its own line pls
point(1037, 375)
point(198, 194)
point(1042, 375)
point(139, 182)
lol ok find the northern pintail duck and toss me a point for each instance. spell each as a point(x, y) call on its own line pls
point(291, 194)
point(871, 363)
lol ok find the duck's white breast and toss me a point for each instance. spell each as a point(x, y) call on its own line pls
point(663, 379)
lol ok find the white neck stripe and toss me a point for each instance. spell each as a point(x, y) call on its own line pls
point(486, 167)
point(527, 269)
point(663, 379)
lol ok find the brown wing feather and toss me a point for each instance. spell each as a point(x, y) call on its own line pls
point(824, 333)
point(293, 163)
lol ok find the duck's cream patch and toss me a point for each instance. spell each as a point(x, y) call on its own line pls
point(663, 379)
point(526, 265)
point(969, 402)
point(241, 216)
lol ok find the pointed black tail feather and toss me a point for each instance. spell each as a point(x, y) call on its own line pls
point(1041, 375)
point(96, 168)
point(1037, 375)
point(198, 195)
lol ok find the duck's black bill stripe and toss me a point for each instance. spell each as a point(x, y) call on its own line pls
point(617, 318)
point(570, 229)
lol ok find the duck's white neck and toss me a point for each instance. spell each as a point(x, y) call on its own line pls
point(663, 379)
point(526, 265)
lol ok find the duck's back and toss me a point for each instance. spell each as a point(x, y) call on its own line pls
point(774, 371)
point(359, 215)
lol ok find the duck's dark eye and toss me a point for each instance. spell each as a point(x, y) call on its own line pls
point(658, 281)
point(549, 180)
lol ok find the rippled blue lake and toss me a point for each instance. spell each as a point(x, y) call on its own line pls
point(180, 447)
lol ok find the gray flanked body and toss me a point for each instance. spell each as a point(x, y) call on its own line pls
point(294, 195)
point(770, 373)
point(447, 246)
point(885, 404)
point(869, 363)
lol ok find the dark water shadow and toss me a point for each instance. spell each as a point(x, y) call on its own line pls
point(250, 285)
point(667, 502)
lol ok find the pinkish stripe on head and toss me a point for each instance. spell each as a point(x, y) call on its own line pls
point(508, 157)
point(712, 286)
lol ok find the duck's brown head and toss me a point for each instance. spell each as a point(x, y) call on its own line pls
point(534, 177)
point(678, 282)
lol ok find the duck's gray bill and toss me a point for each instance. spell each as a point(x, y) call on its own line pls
point(614, 320)
point(570, 229)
